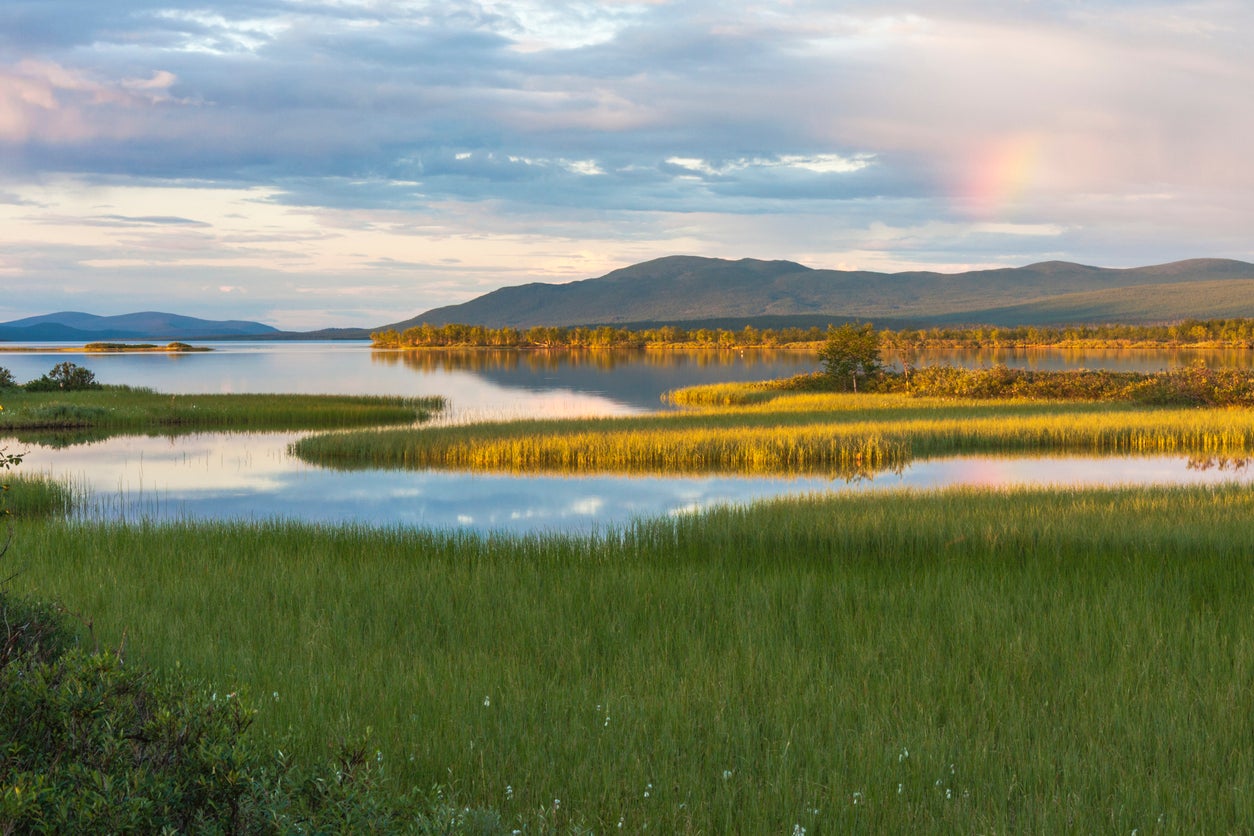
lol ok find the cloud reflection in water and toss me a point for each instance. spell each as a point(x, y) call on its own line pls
point(251, 476)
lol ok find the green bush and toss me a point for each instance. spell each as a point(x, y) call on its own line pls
point(32, 631)
point(67, 376)
point(93, 744)
point(851, 353)
point(7, 380)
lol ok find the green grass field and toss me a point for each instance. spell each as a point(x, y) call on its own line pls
point(114, 410)
point(959, 661)
point(967, 661)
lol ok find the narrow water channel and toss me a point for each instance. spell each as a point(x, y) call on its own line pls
point(249, 476)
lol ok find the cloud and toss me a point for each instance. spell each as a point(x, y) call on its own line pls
point(360, 135)
point(816, 163)
point(151, 220)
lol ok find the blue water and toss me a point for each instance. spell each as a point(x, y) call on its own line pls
point(252, 476)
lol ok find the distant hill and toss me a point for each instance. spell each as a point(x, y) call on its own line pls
point(75, 326)
point(680, 289)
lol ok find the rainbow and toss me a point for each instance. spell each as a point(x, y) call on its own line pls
point(1000, 176)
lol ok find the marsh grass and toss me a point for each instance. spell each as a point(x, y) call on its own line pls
point(122, 409)
point(36, 496)
point(968, 661)
point(781, 432)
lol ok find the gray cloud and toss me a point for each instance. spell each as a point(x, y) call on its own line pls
point(1122, 125)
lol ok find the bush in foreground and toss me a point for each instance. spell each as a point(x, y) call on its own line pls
point(93, 744)
point(68, 377)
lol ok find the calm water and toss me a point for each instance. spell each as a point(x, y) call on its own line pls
point(228, 475)
point(477, 383)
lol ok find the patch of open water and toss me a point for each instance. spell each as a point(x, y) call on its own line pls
point(252, 476)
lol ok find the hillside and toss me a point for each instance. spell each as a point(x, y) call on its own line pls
point(689, 288)
point(77, 326)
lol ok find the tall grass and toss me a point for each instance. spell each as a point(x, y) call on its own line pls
point(790, 433)
point(1037, 661)
point(36, 496)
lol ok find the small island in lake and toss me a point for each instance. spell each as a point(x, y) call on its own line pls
point(173, 346)
point(101, 348)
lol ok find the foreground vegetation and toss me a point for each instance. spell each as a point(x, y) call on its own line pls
point(94, 744)
point(1037, 661)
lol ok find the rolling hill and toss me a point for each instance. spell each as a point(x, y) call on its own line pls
point(679, 289)
point(76, 326)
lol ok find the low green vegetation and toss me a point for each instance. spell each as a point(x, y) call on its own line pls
point(97, 744)
point(968, 661)
point(104, 410)
point(28, 496)
point(36, 496)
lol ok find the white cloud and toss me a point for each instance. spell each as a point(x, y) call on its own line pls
point(584, 167)
point(816, 163)
point(429, 151)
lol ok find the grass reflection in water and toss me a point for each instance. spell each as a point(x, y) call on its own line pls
point(795, 433)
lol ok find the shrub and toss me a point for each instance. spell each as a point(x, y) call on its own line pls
point(1197, 385)
point(64, 376)
point(7, 381)
point(93, 744)
point(96, 745)
point(849, 353)
point(31, 631)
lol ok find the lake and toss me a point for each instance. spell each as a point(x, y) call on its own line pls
point(251, 475)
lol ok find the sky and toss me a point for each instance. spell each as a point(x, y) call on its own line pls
point(315, 163)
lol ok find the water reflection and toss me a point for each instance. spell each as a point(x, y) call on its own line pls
point(1222, 464)
point(601, 360)
point(242, 476)
point(477, 382)
point(252, 476)
point(633, 379)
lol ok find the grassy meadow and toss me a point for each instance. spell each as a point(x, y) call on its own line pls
point(1026, 660)
point(114, 410)
point(969, 661)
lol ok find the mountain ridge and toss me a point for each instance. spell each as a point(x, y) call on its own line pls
point(78, 325)
point(695, 289)
point(676, 289)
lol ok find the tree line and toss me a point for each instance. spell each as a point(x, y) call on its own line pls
point(1236, 333)
point(603, 336)
point(852, 361)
